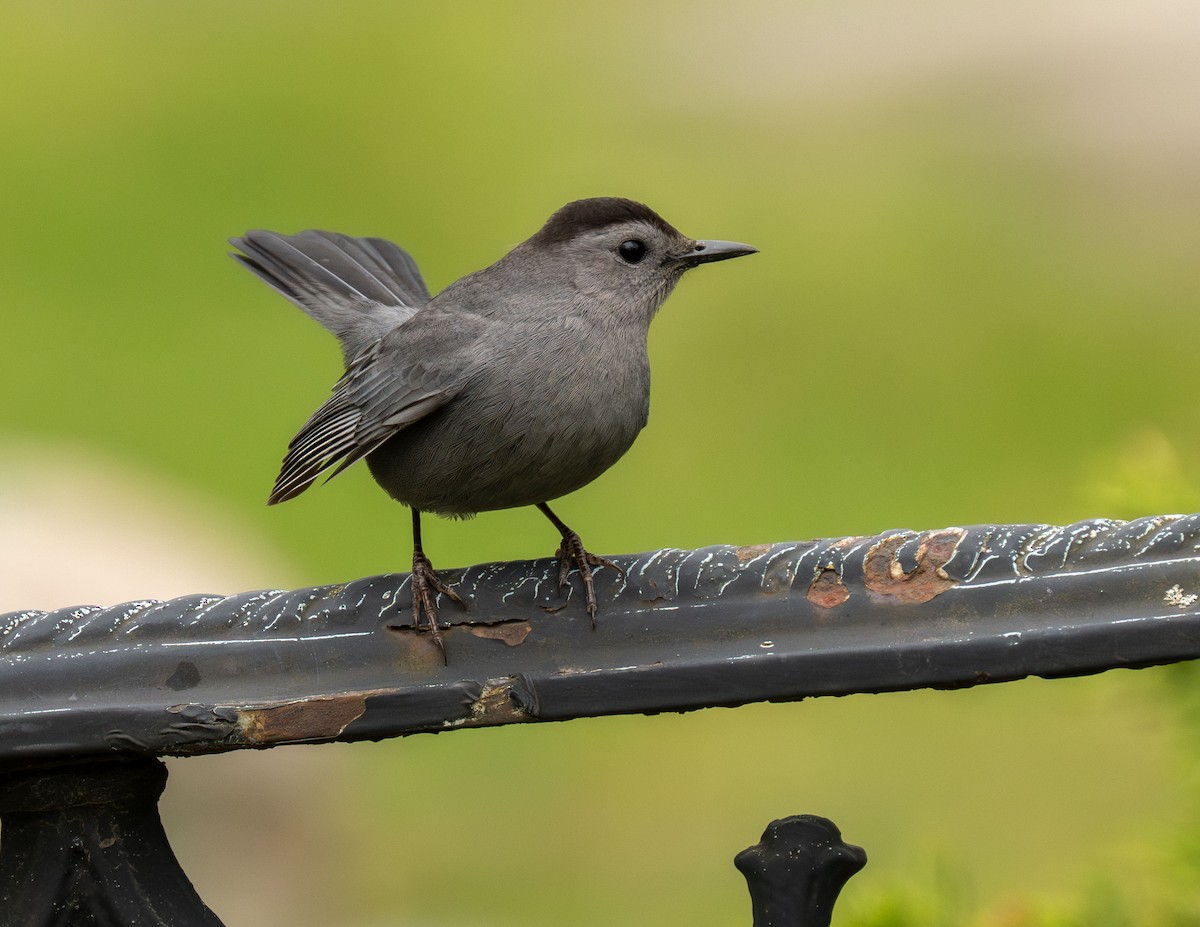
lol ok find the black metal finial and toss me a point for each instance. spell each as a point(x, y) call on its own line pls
point(797, 870)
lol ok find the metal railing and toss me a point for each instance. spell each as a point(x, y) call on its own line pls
point(90, 697)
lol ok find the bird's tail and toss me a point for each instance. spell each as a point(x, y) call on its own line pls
point(358, 288)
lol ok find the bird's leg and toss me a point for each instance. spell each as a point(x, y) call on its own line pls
point(425, 584)
point(571, 553)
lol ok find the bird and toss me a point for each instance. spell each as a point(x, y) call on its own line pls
point(514, 386)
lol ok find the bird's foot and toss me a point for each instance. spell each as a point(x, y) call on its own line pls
point(425, 586)
point(572, 554)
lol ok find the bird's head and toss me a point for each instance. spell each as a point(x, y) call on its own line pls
point(620, 256)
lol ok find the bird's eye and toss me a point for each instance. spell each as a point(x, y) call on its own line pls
point(632, 250)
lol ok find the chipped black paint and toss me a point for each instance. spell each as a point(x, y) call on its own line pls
point(683, 629)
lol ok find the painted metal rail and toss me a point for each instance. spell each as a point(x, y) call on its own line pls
point(84, 688)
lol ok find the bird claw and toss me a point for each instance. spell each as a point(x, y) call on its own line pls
point(425, 586)
point(571, 553)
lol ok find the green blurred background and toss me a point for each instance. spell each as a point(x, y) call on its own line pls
point(975, 302)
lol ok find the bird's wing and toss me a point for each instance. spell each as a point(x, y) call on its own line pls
point(358, 288)
point(396, 381)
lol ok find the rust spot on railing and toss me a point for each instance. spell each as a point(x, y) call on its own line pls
point(827, 589)
point(496, 704)
point(885, 575)
point(306, 719)
point(745, 554)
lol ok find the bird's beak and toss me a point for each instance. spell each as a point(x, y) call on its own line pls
point(702, 252)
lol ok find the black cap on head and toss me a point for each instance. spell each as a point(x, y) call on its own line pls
point(597, 213)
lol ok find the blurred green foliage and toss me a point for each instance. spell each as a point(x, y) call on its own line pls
point(962, 312)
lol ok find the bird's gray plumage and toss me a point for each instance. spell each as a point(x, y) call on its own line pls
point(358, 288)
point(395, 381)
point(515, 385)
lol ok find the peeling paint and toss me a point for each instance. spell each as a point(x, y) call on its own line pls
point(496, 705)
point(883, 573)
point(827, 589)
point(1177, 597)
point(746, 554)
point(512, 633)
point(305, 719)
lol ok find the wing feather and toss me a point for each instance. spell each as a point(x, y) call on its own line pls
point(381, 393)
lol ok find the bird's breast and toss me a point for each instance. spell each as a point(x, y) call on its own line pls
point(547, 414)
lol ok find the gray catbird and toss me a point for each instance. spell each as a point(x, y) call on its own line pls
point(515, 385)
